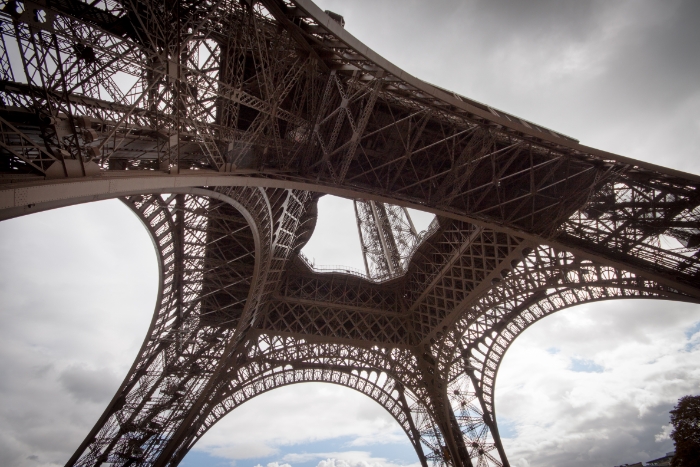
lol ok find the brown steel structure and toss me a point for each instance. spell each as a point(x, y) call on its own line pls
point(219, 123)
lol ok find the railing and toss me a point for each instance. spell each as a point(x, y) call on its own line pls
point(310, 263)
point(340, 269)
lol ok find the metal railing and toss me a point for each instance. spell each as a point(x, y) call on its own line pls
point(341, 269)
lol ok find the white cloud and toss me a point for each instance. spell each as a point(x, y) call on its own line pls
point(664, 434)
point(76, 296)
point(299, 414)
point(274, 464)
point(336, 221)
point(345, 459)
point(608, 417)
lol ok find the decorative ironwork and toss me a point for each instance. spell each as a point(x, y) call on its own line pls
point(219, 123)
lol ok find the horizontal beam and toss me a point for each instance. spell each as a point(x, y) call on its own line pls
point(36, 196)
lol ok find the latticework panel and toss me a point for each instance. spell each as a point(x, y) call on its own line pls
point(103, 99)
point(340, 290)
point(460, 261)
point(650, 221)
point(336, 323)
point(542, 282)
point(180, 352)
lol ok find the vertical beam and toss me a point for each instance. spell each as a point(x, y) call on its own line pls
point(388, 238)
point(410, 221)
point(462, 454)
point(379, 224)
point(362, 240)
point(360, 128)
point(489, 418)
point(179, 264)
point(414, 430)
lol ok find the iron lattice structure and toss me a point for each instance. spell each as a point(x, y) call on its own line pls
point(388, 238)
point(219, 123)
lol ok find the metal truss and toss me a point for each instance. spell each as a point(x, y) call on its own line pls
point(387, 236)
point(220, 123)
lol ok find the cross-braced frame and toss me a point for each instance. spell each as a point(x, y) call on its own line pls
point(219, 123)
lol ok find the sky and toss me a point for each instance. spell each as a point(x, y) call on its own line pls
point(589, 386)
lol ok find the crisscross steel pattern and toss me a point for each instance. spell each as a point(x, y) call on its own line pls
point(220, 123)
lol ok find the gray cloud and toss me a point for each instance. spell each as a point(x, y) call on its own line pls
point(89, 385)
point(76, 296)
point(78, 285)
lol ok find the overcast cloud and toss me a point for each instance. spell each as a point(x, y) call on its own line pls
point(590, 386)
point(77, 291)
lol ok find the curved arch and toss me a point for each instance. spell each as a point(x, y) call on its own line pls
point(44, 195)
point(287, 353)
point(274, 361)
point(389, 396)
point(168, 366)
point(545, 281)
point(500, 341)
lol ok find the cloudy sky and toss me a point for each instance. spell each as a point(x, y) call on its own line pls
point(591, 386)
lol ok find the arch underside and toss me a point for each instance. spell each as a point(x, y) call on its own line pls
point(472, 373)
point(443, 399)
point(545, 281)
point(240, 113)
point(292, 100)
point(288, 361)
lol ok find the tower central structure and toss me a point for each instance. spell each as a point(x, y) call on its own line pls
point(220, 123)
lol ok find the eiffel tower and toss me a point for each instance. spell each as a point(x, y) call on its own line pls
point(221, 123)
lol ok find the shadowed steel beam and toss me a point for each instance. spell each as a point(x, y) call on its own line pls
point(268, 104)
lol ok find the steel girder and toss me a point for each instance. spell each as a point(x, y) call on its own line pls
point(278, 90)
point(388, 238)
point(216, 120)
point(454, 376)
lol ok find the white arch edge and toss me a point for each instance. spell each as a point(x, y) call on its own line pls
point(50, 194)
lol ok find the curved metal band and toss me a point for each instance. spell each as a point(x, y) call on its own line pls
point(386, 391)
point(178, 226)
point(22, 200)
point(274, 361)
point(544, 282)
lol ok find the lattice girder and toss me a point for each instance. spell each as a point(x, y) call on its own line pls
point(543, 282)
point(338, 307)
point(216, 280)
point(263, 103)
point(175, 361)
point(294, 97)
